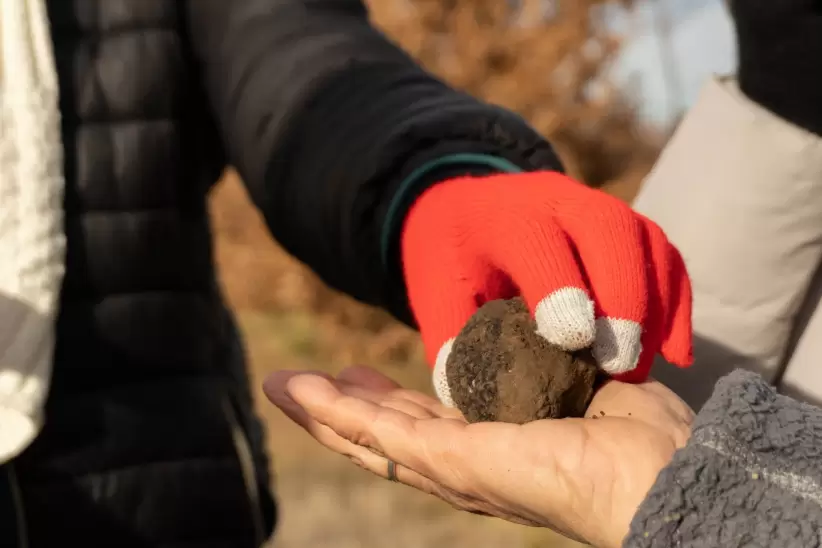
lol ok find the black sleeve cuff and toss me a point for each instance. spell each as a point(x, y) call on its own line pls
point(352, 147)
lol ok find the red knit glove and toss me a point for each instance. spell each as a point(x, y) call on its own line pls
point(593, 272)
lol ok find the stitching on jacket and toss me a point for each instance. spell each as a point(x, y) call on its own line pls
point(20, 511)
point(246, 461)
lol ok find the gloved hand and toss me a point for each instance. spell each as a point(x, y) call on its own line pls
point(593, 272)
point(780, 57)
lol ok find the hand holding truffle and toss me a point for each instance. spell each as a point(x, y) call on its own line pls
point(593, 273)
point(582, 477)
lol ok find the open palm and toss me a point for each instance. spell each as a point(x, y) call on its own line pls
point(582, 477)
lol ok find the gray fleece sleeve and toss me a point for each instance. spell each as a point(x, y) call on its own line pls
point(750, 476)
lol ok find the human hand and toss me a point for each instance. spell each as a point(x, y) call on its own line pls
point(584, 478)
point(592, 271)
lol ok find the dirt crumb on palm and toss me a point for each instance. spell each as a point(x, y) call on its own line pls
point(500, 369)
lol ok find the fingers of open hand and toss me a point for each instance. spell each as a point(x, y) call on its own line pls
point(350, 415)
point(274, 388)
point(367, 377)
point(673, 402)
point(412, 438)
point(357, 432)
point(364, 383)
point(649, 402)
point(366, 457)
point(368, 383)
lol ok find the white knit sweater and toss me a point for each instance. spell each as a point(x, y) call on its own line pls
point(32, 243)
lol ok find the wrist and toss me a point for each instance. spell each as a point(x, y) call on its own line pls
point(425, 169)
point(434, 171)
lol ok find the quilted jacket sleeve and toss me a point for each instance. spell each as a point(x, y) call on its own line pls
point(324, 117)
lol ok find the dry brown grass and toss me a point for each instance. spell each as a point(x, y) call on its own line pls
point(505, 53)
point(291, 320)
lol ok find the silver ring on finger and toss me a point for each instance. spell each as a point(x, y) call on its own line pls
point(392, 471)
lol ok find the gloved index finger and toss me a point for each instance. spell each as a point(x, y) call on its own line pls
point(543, 265)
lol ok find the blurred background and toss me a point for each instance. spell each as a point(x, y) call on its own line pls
point(605, 81)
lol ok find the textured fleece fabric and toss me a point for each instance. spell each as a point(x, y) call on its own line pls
point(750, 476)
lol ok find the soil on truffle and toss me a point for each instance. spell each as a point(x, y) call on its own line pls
point(500, 369)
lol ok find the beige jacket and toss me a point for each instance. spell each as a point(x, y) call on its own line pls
point(739, 192)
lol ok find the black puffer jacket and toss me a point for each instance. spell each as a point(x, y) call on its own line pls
point(150, 438)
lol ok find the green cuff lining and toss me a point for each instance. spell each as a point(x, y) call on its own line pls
point(409, 184)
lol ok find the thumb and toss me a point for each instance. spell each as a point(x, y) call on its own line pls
point(441, 315)
point(443, 293)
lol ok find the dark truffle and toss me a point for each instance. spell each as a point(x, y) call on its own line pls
point(500, 369)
